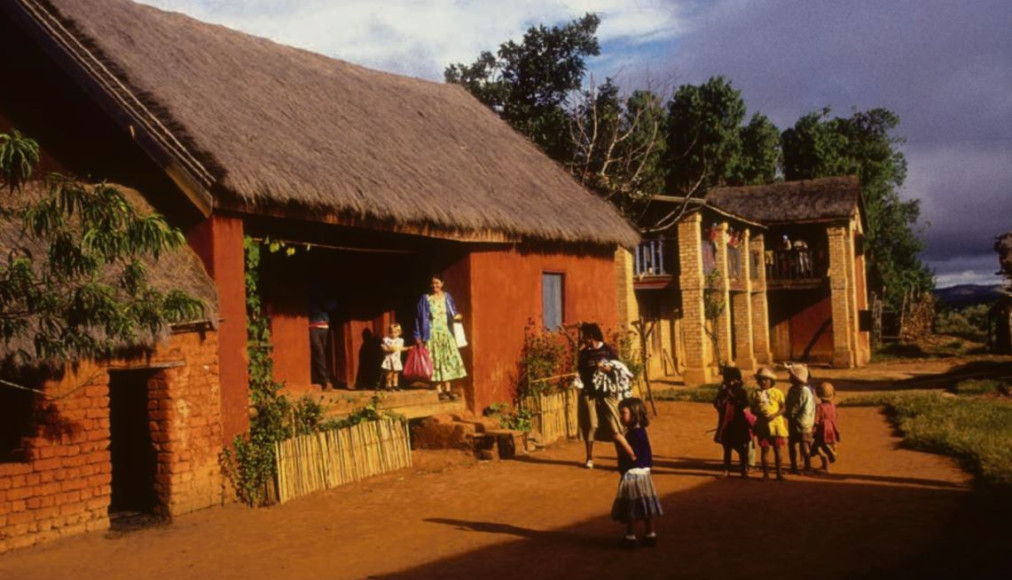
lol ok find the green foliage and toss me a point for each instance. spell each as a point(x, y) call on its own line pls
point(75, 283)
point(863, 145)
point(969, 323)
point(627, 346)
point(708, 145)
point(545, 354)
point(701, 394)
point(18, 157)
point(515, 419)
point(619, 145)
point(250, 463)
point(713, 307)
point(527, 84)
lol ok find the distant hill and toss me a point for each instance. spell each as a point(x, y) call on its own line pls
point(965, 295)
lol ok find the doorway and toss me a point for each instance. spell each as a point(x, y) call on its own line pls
point(134, 498)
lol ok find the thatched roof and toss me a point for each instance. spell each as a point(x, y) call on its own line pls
point(828, 199)
point(174, 270)
point(265, 126)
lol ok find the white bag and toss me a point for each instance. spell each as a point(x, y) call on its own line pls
point(458, 334)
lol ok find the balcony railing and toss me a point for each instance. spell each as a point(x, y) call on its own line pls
point(652, 258)
point(795, 264)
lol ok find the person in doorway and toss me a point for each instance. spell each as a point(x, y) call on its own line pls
point(597, 410)
point(436, 313)
point(393, 346)
point(770, 427)
point(800, 405)
point(321, 304)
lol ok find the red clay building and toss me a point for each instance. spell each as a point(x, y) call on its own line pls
point(388, 179)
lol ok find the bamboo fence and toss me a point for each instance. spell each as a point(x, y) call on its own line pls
point(553, 415)
point(328, 459)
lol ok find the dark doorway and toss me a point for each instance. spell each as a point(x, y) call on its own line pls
point(134, 460)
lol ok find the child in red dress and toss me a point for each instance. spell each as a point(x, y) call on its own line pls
point(827, 435)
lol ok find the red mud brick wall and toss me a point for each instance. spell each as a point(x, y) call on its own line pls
point(184, 408)
point(505, 290)
point(65, 486)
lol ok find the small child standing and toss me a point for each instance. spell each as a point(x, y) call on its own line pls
point(636, 498)
point(392, 345)
point(826, 432)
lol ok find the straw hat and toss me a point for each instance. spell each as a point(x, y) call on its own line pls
point(766, 373)
point(799, 372)
point(825, 390)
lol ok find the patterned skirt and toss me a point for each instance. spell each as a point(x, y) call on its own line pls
point(446, 362)
point(636, 498)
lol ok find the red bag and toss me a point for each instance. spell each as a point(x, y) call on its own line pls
point(419, 364)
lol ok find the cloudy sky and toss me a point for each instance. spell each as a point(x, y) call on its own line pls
point(944, 66)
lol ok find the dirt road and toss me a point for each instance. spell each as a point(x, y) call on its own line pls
point(884, 510)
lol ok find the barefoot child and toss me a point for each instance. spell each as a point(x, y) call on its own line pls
point(826, 432)
point(734, 426)
point(636, 498)
point(800, 404)
point(770, 427)
point(392, 345)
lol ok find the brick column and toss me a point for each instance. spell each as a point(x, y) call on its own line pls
point(691, 282)
point(628, 308)
point(852, 310)
point(760, 306)
point(741, 312)
point(844, 355)
point(722, 325)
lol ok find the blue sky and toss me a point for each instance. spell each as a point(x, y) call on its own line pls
point(944, 66)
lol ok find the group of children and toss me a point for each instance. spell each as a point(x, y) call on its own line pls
point(803, 420)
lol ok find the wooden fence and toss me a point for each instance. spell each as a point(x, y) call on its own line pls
point(553, 415)
point(324, 460)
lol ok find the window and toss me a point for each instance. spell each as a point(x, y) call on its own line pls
point(551, 300)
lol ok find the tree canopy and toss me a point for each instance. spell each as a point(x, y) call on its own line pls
point(630, 148)
point(528, 83)
point(73, 282)
point(864, 145)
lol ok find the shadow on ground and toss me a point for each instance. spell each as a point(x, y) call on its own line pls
point(789, 529)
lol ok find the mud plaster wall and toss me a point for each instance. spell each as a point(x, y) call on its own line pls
point(64, 488)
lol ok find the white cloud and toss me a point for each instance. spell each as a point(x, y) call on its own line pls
point(421, 37)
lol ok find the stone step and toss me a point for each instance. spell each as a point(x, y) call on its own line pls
point(411, 403)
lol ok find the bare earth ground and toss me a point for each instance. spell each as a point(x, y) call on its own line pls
point(885, 511)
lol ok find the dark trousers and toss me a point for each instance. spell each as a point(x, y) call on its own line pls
point(319, 341)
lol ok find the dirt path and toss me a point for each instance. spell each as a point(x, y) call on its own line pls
point(543, 517)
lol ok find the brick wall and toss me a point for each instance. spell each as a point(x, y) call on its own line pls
point(65, 486)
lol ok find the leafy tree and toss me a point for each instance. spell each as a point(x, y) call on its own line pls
point(863, 145)
point(709, 145)
point(619, 144)
point(760, 152)
point(703, 135)
point(528, 84)
point(74, 282)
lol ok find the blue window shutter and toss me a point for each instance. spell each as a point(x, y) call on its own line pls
point(552, 300)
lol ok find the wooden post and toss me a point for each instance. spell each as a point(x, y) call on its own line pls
point(644, 333)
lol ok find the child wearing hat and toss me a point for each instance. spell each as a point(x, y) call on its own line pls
point(826, 433)
point(800, 417)
point(770, 427)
